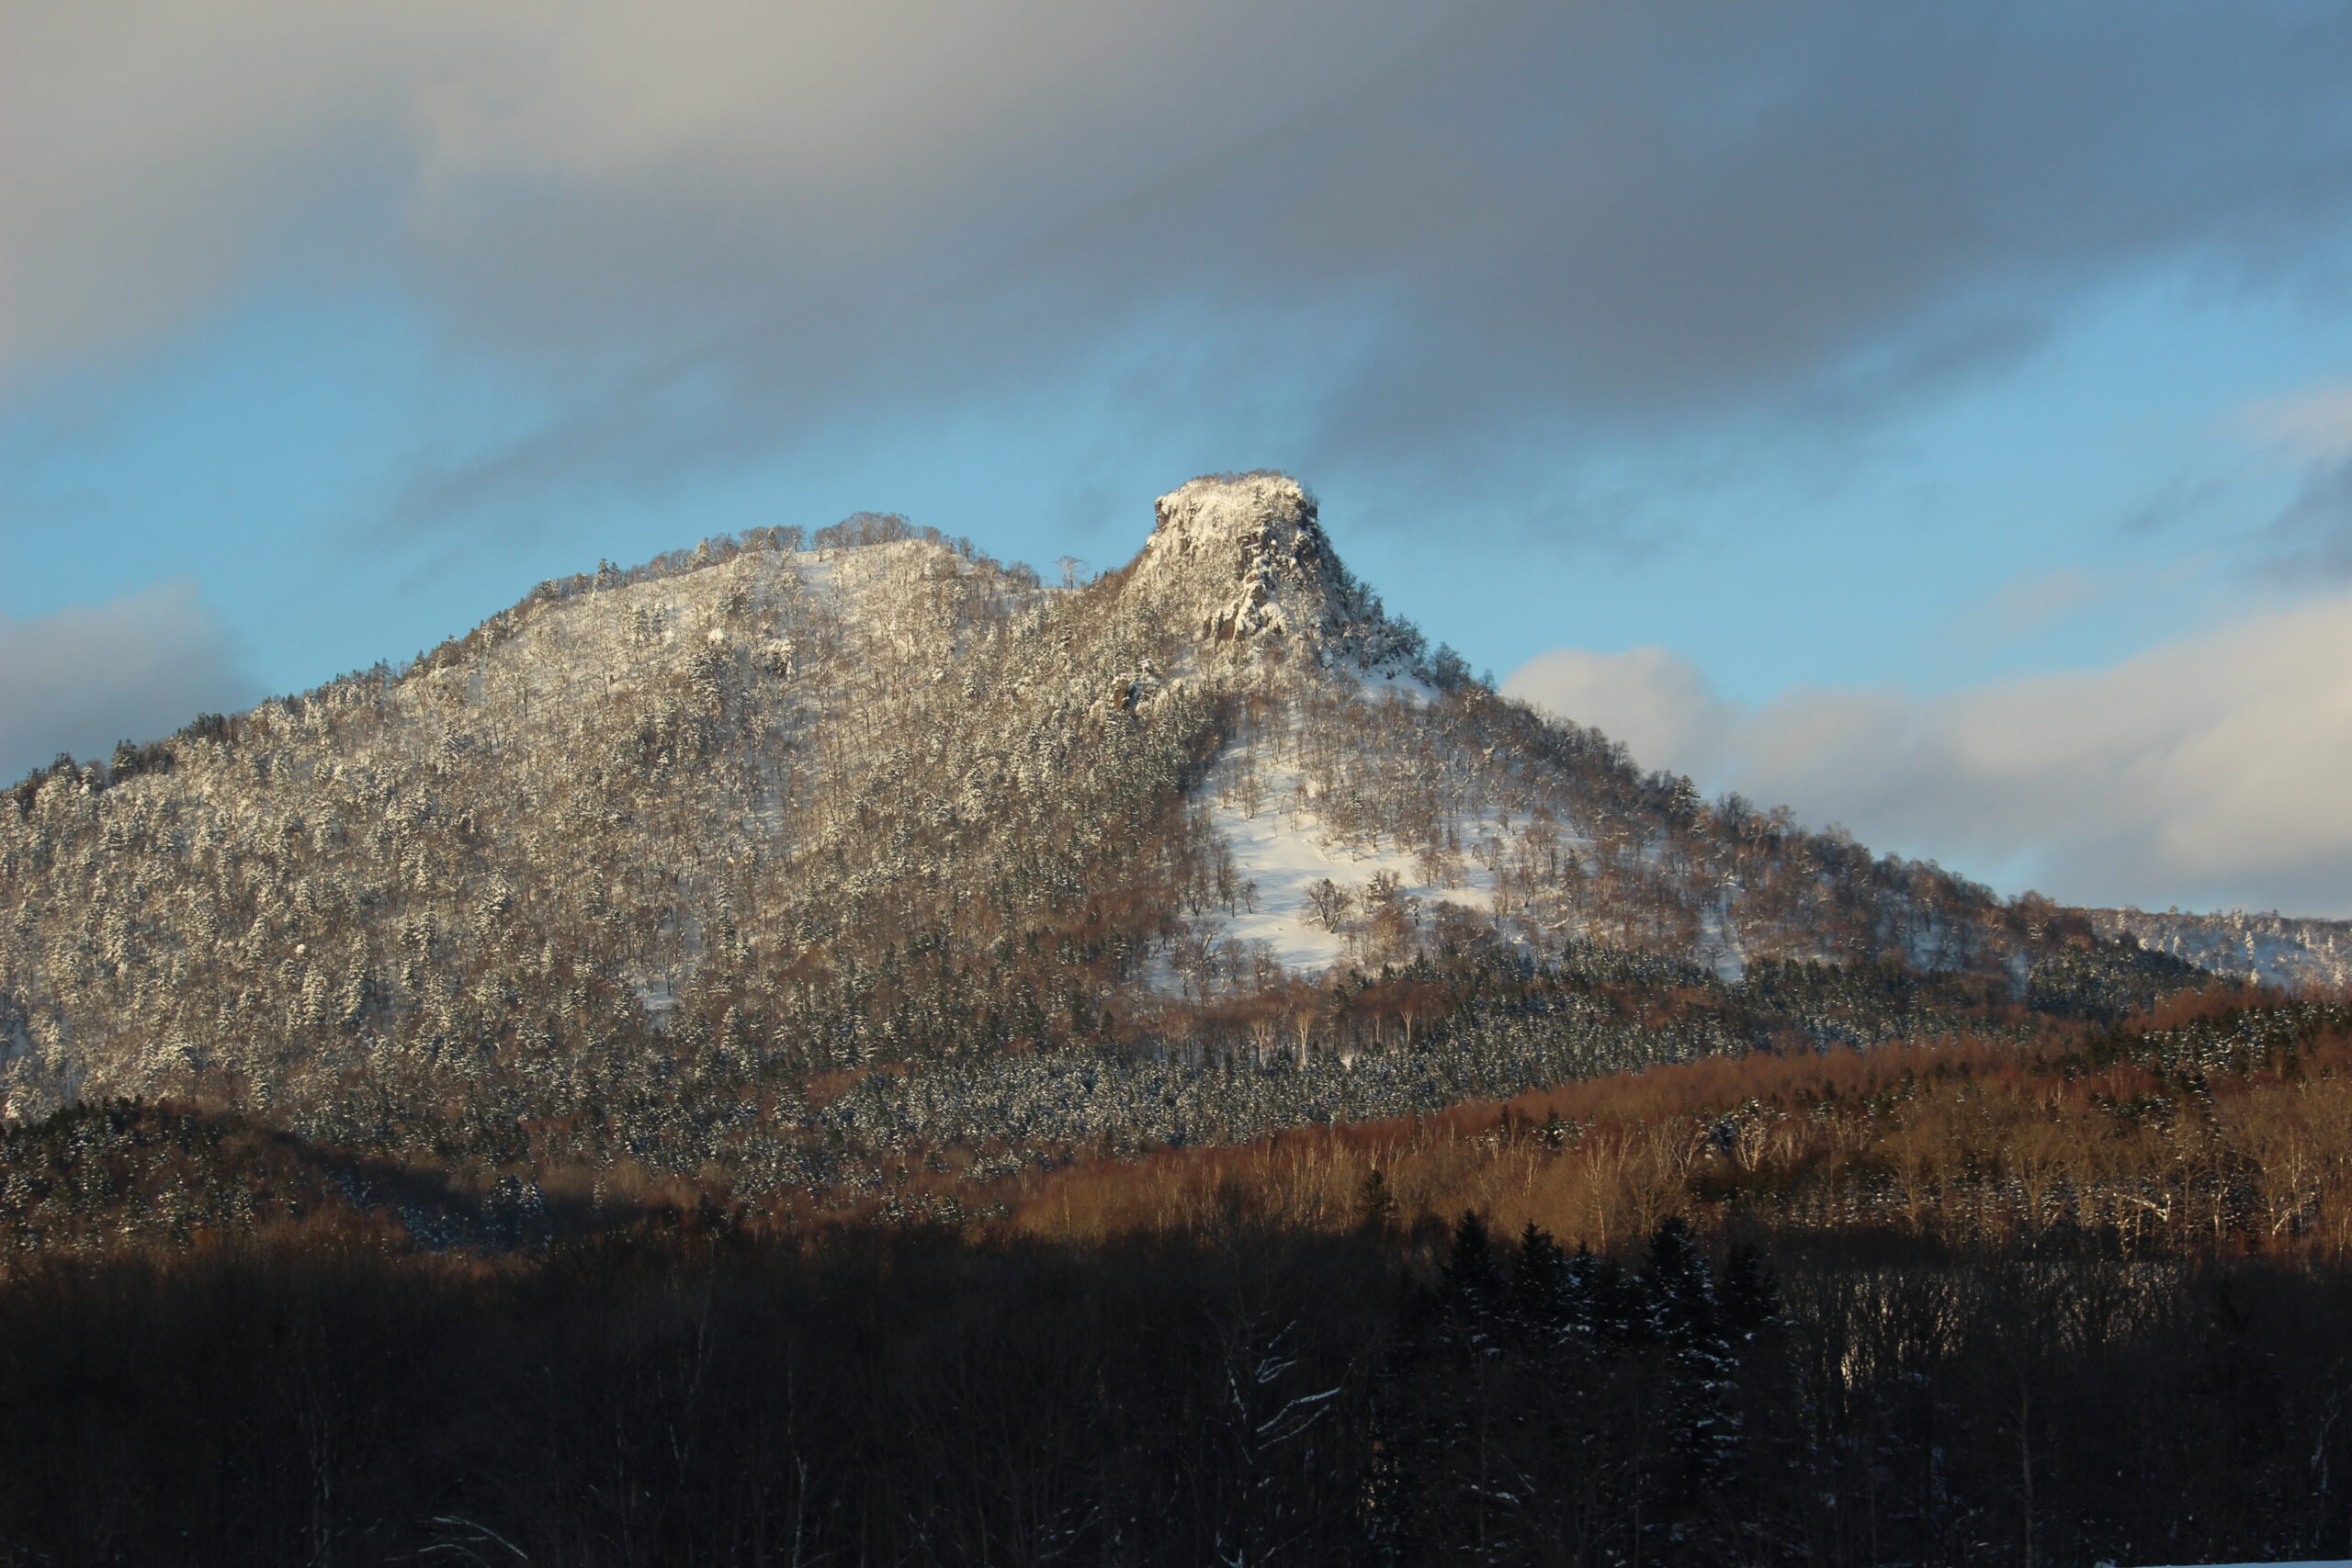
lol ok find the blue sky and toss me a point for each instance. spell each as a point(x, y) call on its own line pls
point(1858, 406)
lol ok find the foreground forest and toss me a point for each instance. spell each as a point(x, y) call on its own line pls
point(1248, 1392)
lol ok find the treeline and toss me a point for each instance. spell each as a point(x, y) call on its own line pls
point(738, 821)
point(859, 530)
point(1238, 1391)
point(2272, 948)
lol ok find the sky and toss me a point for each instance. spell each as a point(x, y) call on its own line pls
point(1937, 419)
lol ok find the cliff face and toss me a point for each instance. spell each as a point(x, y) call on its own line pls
point(1241, 565)
point(1238, 559)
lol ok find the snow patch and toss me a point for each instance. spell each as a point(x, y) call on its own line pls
point(1719, 944)
point(1283, 849)
point(1388, 680)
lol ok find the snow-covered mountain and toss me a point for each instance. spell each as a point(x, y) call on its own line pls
point(667, 852)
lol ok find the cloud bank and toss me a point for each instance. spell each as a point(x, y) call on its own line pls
point(2211, 770)
point(722, 226)
point(133, 667)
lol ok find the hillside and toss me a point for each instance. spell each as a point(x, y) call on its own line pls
point(790, 857)
point(2270, 949)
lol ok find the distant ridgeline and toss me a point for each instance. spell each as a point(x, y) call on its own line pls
point(785, 860)
point(2269, 949)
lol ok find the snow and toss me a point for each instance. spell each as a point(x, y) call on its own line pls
point(816, 568)
point(1719, 944)
point(1285, 848)
point(657, 996)
point(1389, 681)
point(2274, 949)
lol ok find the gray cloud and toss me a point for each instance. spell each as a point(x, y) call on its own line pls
point(134, 668)
point(2210, 769)
point(1640, 213)
point(722, 228)
point(587, 180)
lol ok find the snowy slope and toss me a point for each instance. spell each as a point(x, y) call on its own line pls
point(1263, 810)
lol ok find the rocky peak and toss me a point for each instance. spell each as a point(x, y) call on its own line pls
point(1242, 559)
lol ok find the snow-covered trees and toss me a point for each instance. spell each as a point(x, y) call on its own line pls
point(623, 870)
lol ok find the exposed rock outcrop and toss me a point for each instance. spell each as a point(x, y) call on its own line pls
point(1241, 562)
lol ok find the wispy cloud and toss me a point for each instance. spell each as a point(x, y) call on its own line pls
point(2313, 535)
point(2315, 423)
point(2025, 605)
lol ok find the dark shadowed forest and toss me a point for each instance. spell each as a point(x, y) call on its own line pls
point(1245, 1392)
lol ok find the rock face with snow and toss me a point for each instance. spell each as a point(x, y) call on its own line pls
point(1240, 563)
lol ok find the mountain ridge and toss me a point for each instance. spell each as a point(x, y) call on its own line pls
point(638, 867)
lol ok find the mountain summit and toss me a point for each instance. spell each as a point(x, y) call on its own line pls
point(1240, 562)
point(1238, 558)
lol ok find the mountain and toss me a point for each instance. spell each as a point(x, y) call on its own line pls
point(472, 1111)
point(791, 857)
